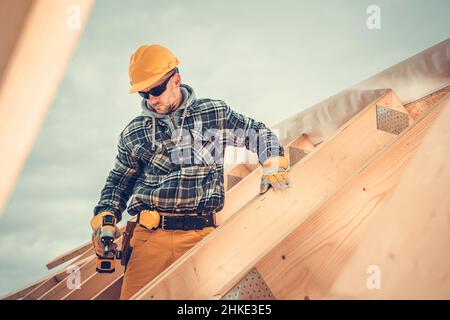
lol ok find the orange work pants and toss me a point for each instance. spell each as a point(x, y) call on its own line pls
point(153, 251)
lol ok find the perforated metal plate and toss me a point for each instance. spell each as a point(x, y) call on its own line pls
point(391, 121)
point(295, 155)
point(232, 181)
point(251, 287)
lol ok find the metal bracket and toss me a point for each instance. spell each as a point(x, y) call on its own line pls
point(232, 181)
point(295, 155)
point(391, 121)
point(251, 287)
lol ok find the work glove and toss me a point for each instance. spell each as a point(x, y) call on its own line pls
point(274, 173)
point(96, 224)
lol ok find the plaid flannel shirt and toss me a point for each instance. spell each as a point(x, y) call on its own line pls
point(192, 181)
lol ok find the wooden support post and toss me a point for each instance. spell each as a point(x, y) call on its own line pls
point(238, 244)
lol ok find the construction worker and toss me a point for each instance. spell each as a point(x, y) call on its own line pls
point(170, 166)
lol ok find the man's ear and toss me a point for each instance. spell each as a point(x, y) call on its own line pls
point(177, 78)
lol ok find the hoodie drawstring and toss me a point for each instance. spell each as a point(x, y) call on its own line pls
point(153, 133)
point(154, 129)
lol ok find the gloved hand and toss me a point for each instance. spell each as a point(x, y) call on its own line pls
point(96, 224)
point(274, 173)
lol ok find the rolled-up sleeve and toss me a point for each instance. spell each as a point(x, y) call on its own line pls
point(120, 181)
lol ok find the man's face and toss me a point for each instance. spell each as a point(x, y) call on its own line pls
point(165, 103)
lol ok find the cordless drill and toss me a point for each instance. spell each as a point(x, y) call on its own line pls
point(107, 262)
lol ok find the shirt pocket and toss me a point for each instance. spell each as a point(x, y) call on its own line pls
point(156, 161)
point(206, 148)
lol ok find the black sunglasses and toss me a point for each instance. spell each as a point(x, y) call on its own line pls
point(157, 91)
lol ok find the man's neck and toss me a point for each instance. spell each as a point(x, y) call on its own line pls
point(178, 101)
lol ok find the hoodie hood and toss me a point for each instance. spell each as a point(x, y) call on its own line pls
point(172, 119)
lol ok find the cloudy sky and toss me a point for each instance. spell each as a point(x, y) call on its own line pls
point(266, 59)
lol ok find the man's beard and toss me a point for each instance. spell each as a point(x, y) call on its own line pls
point(171, 108)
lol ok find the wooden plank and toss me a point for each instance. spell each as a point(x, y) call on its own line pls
point(87, 264)
point(249, 187)
point(91, 281)
point(110, 292)
point(80, 251)
point(94, 284)
point(409, 241)
point(418, 107)
point(13, 15)
point(306, 263)
point(19, 294)
point(44, 287)
point(240, 242)
point(89, 277)
point(39, 51)
point(53, 280)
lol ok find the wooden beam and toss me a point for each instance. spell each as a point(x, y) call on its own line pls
point(306, 263)
point(80, 251)
point(110, 292)
point(408, 242)
point(94, 284)
point(13, 16)
point(418, 107)
point(61, 288)
point(39, 53)
point(52, 281)
point(239, 243)
point(19, 294)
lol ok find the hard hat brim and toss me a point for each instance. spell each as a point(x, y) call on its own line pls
point(140, 86)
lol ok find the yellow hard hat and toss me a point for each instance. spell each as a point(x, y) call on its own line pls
point(149, 64)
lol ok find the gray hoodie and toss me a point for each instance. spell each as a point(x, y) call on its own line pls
point(173, 119)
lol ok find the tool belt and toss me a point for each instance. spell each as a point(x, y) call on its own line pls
point(152, 220)
point(186, 222)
